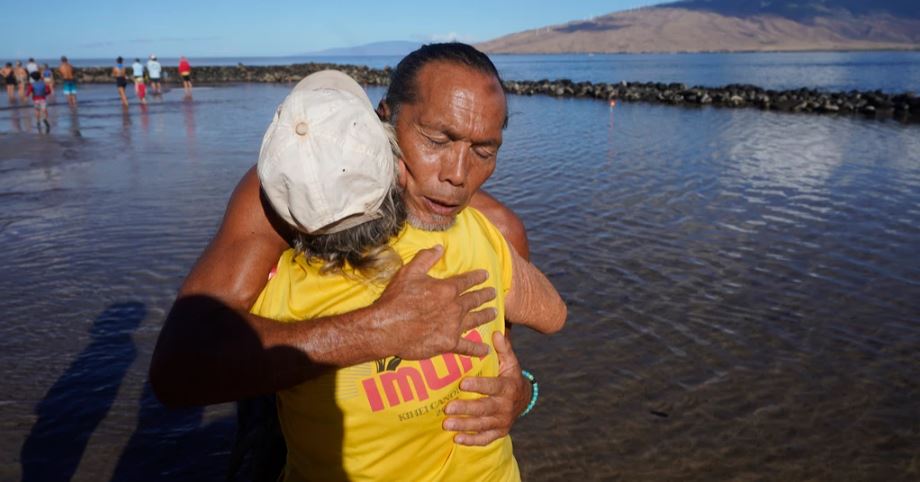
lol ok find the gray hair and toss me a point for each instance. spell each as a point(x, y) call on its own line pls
point(365, 246)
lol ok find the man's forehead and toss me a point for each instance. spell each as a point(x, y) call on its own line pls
point(450, 94)
point(456, 79)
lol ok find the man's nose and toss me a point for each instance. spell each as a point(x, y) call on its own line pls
point(454, 168)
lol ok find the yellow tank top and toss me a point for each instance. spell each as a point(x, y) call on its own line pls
point(382, 420)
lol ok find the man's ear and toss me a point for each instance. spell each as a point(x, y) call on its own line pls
point(401, 173)
point(383, 110)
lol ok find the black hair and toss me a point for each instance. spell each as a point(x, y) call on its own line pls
point(63, 58)
point(119, 60)
point(35, 75)
point(403, 86)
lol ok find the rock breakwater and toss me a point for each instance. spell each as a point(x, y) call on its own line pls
point(246, 73)
point(871, 104)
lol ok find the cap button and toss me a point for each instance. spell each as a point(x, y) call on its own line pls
point(301, 129)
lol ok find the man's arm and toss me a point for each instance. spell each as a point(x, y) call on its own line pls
point(532, 300)
point(211, 349)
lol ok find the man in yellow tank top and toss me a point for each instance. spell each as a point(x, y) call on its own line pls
point(327, 168)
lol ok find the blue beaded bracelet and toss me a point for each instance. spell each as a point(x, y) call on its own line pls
point(534, 394)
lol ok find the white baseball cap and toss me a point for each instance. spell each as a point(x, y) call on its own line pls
point(326, 164)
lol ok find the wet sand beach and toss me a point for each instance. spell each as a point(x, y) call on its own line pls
point(742, 286)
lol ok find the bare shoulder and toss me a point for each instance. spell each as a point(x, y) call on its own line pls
point(510, 225)
point(235, 265)
point(250, 215)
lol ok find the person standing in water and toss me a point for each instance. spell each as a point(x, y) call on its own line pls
point(31, 66)
point(10, 80)
point(39, 91)
point(140, 88)
point(154, 69)
point(70, 85)
point(121, 80)
point(185, 71)
point(137, 71)
point(22, 78)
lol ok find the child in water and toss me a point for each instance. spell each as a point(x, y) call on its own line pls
point(141, 88)
point(39, 91)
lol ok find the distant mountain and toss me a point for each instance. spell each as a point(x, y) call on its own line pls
point(730, 25)
point(394, 47)
point(802, 10)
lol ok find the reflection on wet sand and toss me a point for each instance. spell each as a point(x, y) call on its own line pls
point(16, 120)
point(188, 115)
point(126, 125)
point(611, 130)
point(75, 122)
point(188, 111)
point(145, 119)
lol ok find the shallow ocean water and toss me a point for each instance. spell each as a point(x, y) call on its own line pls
point(742, 286)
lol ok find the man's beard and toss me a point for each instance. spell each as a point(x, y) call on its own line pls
point(417, 223)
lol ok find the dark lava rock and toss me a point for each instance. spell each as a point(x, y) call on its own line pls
point(873, 104)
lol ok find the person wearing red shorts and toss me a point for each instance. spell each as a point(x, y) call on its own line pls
point(141, 89)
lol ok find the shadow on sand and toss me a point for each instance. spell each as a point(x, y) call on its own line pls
point(173, 445)
point(82, 396)
point(167, 444)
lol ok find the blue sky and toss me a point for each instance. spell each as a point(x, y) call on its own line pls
point(48, 29)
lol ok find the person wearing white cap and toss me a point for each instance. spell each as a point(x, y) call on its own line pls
point(328, 167)
point(448, 108)
point(154, 69)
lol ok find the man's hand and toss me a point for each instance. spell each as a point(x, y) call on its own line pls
point(486, 419)
point(421, 316)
